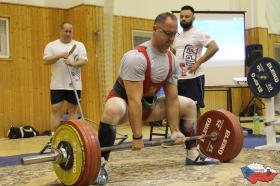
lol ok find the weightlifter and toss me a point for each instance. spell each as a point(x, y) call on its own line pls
point(143, 71)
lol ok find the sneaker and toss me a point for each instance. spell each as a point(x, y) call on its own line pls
point(195, 157)
point(102, 177)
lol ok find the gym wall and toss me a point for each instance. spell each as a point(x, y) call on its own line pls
point(24, 80)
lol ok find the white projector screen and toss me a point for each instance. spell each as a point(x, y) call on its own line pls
point(228, 30)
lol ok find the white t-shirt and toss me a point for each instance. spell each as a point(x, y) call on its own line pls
point(134, 64)
point(60, 77)
point(188, 47)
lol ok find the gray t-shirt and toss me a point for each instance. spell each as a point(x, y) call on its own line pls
point(134, 65)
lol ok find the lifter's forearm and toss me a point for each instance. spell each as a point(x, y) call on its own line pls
point(135, 117)
point(172, 106)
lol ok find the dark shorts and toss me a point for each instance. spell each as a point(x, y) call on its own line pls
point(193, 88)
point(146, 112)
point(61, 95)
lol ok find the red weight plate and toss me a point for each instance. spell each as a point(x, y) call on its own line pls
point(238, 141)
point(92, 152)
point(239, 133)
point(230, 135)
point(96, 152)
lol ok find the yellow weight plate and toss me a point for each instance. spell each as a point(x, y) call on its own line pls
point(66, 132)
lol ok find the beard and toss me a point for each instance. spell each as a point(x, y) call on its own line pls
point(186, 25)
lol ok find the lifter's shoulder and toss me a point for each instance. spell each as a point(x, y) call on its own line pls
point(134, 58)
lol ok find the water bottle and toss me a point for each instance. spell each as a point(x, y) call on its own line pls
point(256, 124)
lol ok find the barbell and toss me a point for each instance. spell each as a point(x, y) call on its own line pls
point(76, 153)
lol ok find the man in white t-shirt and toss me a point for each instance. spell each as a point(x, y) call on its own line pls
point(188, 45)
point(57, 55)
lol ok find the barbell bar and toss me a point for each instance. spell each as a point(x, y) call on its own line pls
point(60, 155)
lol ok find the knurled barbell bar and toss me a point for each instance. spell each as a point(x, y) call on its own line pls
point(64, 150)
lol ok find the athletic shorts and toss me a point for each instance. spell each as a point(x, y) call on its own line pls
point(193, 88)
point(61, 95)
point(146, 112)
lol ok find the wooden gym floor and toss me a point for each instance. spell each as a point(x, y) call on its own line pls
point(150, 166)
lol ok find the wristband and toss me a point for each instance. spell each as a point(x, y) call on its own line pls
point(137, 138)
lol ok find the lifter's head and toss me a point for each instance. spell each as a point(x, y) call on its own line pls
point(66, 32)
point(165, 29)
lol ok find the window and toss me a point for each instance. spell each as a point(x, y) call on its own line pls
point(140, 36)
point(4, 38)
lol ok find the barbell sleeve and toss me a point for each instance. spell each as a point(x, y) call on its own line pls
point(53, 156)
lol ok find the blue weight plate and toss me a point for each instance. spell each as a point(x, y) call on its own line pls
point(264, 77)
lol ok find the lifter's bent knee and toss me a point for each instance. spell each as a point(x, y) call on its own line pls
point(187, 108)
point(113, 113)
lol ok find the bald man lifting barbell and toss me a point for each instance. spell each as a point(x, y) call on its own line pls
point(143, 71)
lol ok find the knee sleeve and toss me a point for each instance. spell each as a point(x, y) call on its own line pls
point(106, 137)
point(187, 127)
